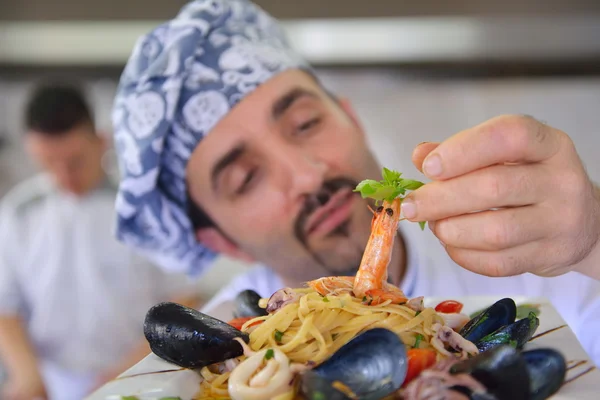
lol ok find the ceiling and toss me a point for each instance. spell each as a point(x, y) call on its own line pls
point(400, 32)
point(44, 10)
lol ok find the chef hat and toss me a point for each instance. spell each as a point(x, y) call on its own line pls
point(181, 79)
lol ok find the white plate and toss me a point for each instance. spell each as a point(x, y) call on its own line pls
point(153, 378)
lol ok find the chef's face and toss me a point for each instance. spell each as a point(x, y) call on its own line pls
point(276, 176)
point(73, 159)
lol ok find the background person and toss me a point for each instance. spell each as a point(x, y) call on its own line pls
point(72, 299)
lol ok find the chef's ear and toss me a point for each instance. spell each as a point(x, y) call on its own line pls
point(214, 240)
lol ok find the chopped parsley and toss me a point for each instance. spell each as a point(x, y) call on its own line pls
point(325, 299)
point(269, 354)
point(319, 396)
point(130, 398)
point(418, 340)
point(364, 299)
point(278, 335)
point(417, 313)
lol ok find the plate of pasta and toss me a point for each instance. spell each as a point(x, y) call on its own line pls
point(155, 378)
point(359, 337)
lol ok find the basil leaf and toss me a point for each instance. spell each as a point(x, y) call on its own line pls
point(410, 184)
point(390, 176)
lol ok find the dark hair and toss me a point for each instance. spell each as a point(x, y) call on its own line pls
point(54, 109)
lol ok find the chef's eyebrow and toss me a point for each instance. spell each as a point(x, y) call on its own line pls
point(225, 161)
point(281, 105)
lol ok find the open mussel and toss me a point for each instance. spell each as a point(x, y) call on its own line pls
point(369, 367)
point(189, 338)
point(501, 313)
point(246, 305)
point(509, 374)
point(515, 334)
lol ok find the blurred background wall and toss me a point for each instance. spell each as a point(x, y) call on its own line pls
point(415, 71)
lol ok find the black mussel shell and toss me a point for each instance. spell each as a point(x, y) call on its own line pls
point(372, 365)
point(188, 338)
point(501, 370)
point(316, 387)
point(515, 334)
point(547, 372)
point(246, 305)
point(501, 313)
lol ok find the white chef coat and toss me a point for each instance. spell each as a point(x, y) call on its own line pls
point(431, 272)
point(82, 294)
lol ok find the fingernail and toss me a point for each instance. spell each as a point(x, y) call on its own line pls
point(409, 209)
point(421, 144)
point(432, 166)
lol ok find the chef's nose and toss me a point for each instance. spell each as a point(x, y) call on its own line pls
point(301, 171)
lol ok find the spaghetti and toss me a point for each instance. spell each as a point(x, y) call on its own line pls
point(314, 327)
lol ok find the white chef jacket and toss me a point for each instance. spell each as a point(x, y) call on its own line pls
point(82, 294)
point(431, 272)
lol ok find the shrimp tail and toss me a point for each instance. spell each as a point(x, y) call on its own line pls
point(377, 296)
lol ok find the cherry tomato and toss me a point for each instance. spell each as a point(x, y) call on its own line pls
point(418, 361)
point(237, 323)
point(449, 307)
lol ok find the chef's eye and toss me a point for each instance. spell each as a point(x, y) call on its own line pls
point(308, 125)
point(246, 182)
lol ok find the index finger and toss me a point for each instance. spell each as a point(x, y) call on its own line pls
point(505, 139)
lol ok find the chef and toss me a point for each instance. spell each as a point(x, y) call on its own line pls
point(231, 145)
point(72, 298)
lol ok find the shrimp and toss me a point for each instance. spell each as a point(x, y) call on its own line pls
point(336, 285)
point(371, 278)
point(370, 282)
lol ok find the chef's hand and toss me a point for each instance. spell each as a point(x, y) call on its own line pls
point(28, 388)
point(548, 222)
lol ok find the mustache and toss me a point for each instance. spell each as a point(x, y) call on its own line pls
point(318, 199)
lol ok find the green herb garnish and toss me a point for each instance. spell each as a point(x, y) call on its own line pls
point(364, 299)
point(269, 354)
point(418, 340)
point(389, 188)
point(130, 398)
point(325, 299)
point(523, 310)
point(319, 396)
point(278, 335)
point(417, 313)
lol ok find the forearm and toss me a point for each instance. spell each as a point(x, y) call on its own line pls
point(17, 352)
